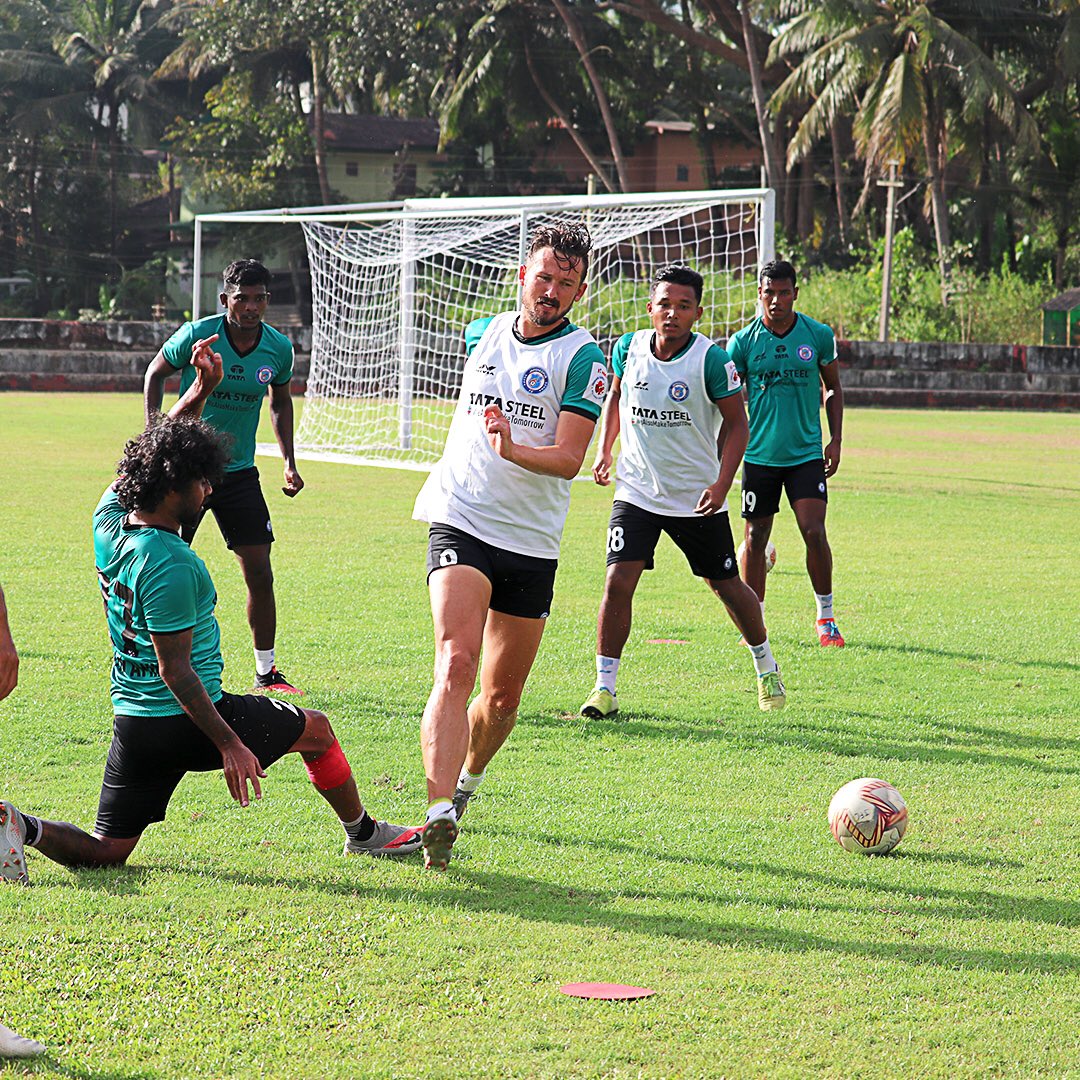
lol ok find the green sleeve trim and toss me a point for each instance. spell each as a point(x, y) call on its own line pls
point(716, 378)
point(620, 353)
point(579, 379)
point(474, 332)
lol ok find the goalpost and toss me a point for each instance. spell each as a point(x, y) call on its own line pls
point(393, 287)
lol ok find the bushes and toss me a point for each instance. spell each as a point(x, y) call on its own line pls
point(1002, 307)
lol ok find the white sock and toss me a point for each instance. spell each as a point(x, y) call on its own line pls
point(12, 1045)
point(468, 781)
point(824, 605)
point(440, 808)
point(607, 668)
point(763, 657)
point(264, 661)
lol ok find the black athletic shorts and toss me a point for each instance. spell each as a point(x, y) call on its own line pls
point(150, 754)
point(520, 584)
point(762, 484)
point(706, 542)
point(240, 509)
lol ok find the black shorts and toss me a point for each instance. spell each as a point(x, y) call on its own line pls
point(521, 585)
point(240, 509)
point(762, 484)
point(150, 754)
point(705, 541)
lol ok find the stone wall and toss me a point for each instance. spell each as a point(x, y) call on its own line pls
point(51, 355)
point(44, 354)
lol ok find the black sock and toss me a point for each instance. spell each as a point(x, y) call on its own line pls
point(32, 827)
point(361, 829)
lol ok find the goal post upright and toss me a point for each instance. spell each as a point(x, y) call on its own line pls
point(407, 320)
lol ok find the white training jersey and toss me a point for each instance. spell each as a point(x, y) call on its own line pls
point(668, 424)
point(475, 490)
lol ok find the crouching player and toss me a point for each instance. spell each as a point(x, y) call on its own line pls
point(172, 716)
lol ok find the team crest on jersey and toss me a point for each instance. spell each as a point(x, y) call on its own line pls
point(534, 381)
point(598, 384)
point(264, 375)
point(805, 352)
point(678, 391)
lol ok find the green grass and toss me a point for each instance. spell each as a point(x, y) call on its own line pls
point(682, 846)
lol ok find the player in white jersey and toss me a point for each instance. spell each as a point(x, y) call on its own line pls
point(670, 390)
point(496, 502)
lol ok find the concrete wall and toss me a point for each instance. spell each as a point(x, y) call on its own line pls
point(46, 354)
point(52, 355)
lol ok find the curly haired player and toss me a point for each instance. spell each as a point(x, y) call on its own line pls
point(172, 716)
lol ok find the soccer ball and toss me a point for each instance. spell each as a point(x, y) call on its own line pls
point(868, 816)
point(770, 555)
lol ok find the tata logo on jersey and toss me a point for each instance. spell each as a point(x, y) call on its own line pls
point(805, 352)
point(678, 391)
point(264, 375)
point(534, 381)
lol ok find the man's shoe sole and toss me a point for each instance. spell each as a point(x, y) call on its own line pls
point(439, 837)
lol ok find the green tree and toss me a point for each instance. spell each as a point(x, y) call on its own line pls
point(118, 45)
point(910, 78)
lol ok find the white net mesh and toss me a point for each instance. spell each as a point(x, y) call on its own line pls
point(391, 299)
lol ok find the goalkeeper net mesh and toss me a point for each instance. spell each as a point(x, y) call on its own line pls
point(392, 296)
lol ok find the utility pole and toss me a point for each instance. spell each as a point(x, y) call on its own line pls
point(886, 275)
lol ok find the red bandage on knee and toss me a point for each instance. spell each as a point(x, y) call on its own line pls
point(329, 770)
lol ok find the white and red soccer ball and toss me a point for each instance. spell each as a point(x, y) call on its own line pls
point(770, 555)
point(868, 816)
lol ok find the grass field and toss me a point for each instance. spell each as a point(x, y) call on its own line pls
point(682, 846)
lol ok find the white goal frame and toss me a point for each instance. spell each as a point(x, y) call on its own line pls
point(412, 222)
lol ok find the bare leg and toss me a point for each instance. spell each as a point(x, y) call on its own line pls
point(261, 605)
point(70, 846)
point(459, 608)
point(510, 646)
point(616, 607)
point(742, 605)
point(756, 535)
point(810, 515)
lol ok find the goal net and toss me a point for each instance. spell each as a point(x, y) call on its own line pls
point(392, 294)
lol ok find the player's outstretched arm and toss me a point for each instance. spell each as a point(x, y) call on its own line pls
point(239, 764)
point(281, 420)
point(9, 658)
point(562, 458)
point(154, 385)
point(609, 432)
point(834, 415)
point(733, 444)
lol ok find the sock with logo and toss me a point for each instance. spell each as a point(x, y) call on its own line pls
point(607, 668)
point(363, 828)
point(824, 605)
point(763, 658)
point(468, 781)
point(440, 808)
point(264, 661)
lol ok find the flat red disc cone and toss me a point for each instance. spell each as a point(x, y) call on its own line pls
point(606, 991)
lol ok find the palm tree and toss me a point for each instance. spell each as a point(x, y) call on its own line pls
point(910, 79)
point(118, 44)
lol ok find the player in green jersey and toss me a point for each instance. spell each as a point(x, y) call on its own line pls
point(257, 360)
point(784, 359)
point(172, 716)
